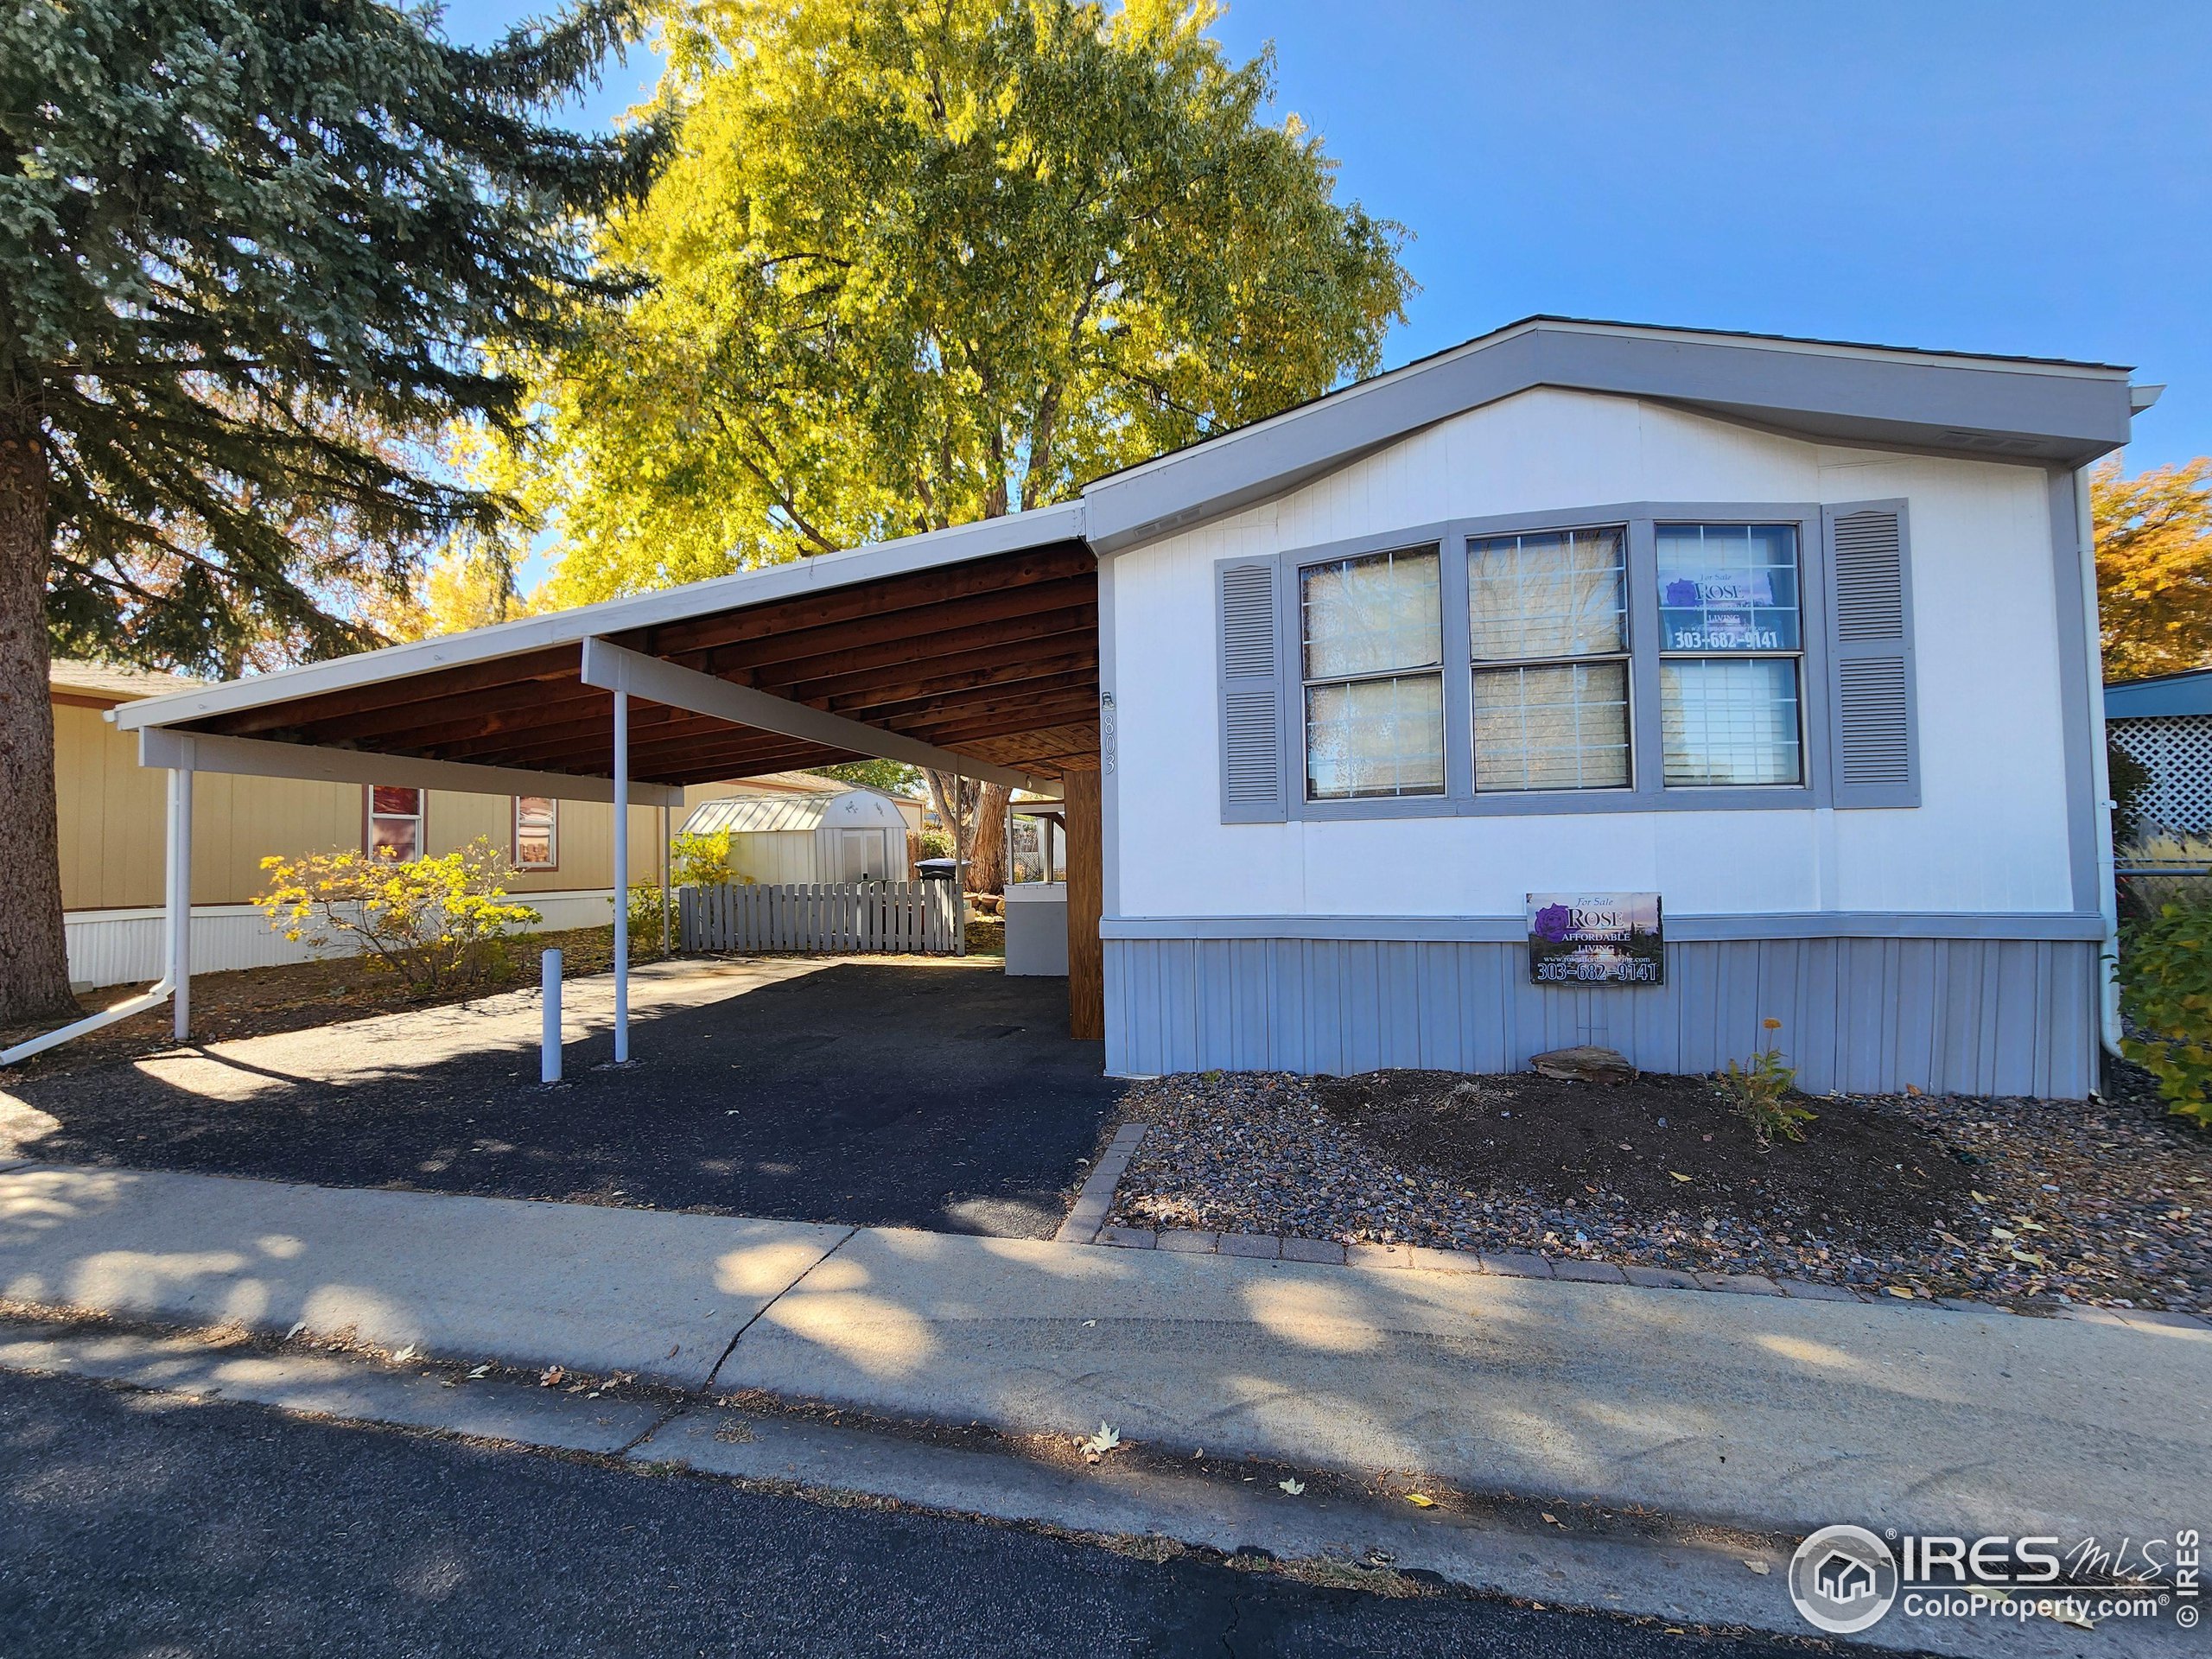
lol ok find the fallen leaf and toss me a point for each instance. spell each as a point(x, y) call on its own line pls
point(2028, 1257)
point(296, 1330)
point(1555, 1520)
point(2002, 1232)
point(1759, 1567)
point(1420, 1500)
point(1099, 1444)
point(1955, 1241)
point(1896, 1290)
point(1976, 1197)
point(550, 1377)
point(1293, 1487)
point(403, 1355)
point(1089, 1323)
point(1678, 1174)
point(480, 1370)
point(2066, 1616)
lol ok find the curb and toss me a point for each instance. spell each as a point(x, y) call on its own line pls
point(1088, 1214)
point(1521, 1264)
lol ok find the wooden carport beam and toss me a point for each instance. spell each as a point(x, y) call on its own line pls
point(615, 668)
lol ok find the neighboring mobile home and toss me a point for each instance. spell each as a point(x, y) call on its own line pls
point(1585, 683)
point(110, 816)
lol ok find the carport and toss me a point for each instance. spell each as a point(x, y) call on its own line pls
point(973, 651)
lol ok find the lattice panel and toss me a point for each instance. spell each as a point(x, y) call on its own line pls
point(2176, 751)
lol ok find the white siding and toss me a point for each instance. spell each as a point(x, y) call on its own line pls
point(1990, 836)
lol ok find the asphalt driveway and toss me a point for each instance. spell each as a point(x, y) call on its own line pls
point(924, 1094)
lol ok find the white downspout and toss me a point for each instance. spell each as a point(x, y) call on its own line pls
point(177, 939)
point(2107, 892)
point(621, 878)
point(179, 899)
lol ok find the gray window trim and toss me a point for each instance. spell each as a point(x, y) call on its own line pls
point(1646, 793)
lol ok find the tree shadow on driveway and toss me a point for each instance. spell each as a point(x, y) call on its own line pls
point(937, 1094)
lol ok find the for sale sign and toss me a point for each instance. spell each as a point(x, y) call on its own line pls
point(1595, 938)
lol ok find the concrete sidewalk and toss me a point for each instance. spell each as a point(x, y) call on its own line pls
point(1768, 1414)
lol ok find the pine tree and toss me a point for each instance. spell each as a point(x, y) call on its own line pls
point(250, 255)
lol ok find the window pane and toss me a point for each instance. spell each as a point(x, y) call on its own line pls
point(1728, 586)
point(396, 803)
point(1370, 615)
point(1375, 737)
point(1564, 728)
point(395, 837)
point(1553, 595)
point(1730, 722)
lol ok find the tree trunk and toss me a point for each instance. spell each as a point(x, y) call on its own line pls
point(33, 952)
point(988, 873)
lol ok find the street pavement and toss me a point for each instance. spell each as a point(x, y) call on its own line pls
point(138, 1523)
point(1770, 1415)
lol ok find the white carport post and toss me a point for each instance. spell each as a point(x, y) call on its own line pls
point(177, 897)
point(667, 875)
point(621, 878)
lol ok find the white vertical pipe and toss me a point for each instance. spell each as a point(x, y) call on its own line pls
point(622, 877)
point(2085, 531)
point(667, 873)
point(179, 899)
point(548, 1056)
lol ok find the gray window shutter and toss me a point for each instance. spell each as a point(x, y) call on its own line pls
point(1873, 746)
point(1252, 785)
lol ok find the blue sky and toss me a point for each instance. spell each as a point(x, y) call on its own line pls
point(2022, 177)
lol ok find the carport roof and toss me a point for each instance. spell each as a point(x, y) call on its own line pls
point(976, 648)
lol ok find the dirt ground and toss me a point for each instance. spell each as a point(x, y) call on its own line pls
point(1645, 1141)
point(2020, 1202)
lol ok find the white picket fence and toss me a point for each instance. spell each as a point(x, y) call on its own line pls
point(907, 916)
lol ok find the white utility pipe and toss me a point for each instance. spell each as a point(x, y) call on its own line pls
point(179, 898)
point(667, 873)
point(549, 1054)
point(621, 878)
point(177, 942)
point(2108, 882)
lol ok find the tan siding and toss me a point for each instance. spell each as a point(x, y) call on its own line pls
point(113, 822)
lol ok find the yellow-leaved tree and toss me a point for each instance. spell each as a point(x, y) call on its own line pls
point(2154, 568)
point(916, 262)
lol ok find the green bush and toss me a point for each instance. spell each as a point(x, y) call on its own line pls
point(1759, 1091)
point(2165, 991)
point(936, 843)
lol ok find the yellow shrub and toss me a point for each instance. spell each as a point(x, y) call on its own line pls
point(435, 921)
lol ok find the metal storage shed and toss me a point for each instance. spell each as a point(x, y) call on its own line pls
point(854, 835)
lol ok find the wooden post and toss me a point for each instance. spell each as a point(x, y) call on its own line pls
point(1086, 897)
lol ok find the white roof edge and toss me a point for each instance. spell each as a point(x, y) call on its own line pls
point(1015, 532)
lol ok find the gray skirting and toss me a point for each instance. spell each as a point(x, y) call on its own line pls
point(1860, 1015)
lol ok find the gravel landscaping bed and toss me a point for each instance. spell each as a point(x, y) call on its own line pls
point(2014, 1201)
